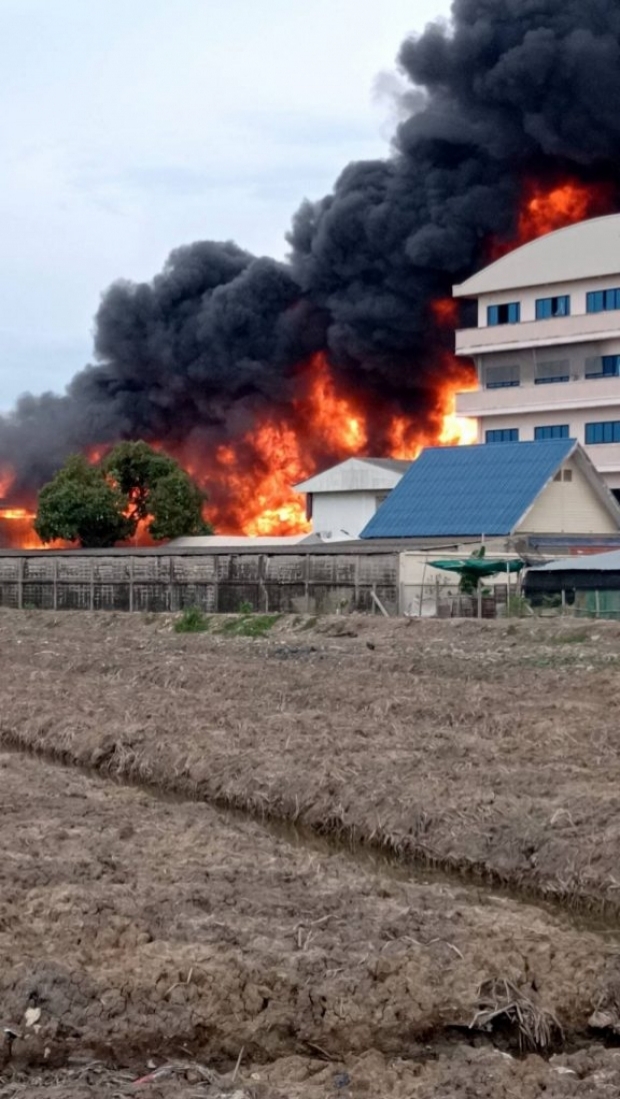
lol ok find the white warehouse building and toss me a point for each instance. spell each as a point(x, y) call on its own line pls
point(341, 500)
point(547, 345)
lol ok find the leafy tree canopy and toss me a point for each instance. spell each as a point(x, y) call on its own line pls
point(98, 505)
point(136, 468)
point(80, 505)
point(176, 506)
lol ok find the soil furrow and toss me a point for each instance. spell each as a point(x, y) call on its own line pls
point(371, 853)
point(486, 749)
point(148, 925)
point(237, 852)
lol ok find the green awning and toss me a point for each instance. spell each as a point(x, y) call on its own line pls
point(476, 566)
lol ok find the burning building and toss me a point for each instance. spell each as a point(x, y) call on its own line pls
point(255, 374)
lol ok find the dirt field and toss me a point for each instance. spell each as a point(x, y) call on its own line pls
point(182, 929)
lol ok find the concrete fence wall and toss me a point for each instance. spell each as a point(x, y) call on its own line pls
point(140, 581)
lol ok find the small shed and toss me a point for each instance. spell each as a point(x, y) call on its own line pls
point(589, 583)
point(342, 499)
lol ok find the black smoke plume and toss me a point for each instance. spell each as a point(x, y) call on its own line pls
point(509, 91)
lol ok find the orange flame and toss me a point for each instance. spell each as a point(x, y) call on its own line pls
point(254, 476)
point(445, 311)
point(16, 529)
point(251, 477)
point(260, 499)
point(544, 211)
point(257, 493)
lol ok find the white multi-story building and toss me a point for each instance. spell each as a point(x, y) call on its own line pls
point(547, 345)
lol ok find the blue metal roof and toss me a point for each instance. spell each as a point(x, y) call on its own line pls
point(468, 490)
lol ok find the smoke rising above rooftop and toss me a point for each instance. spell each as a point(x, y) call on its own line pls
point(510, 95)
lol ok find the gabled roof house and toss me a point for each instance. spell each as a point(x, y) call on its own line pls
point(508, 489)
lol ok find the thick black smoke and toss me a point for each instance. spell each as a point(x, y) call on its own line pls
point(511, 90)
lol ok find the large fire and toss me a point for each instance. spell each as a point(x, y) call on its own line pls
point(250, 479)
point(546, 209)
point(259, 499)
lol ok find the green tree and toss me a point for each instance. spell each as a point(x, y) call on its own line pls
point(175, 503)
point(81, 505)
point(136, 468)
point(100, 505)
point(156, 486)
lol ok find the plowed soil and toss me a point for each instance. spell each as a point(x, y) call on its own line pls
point(223, 923)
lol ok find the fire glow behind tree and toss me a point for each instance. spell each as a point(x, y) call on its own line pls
point(255, 374)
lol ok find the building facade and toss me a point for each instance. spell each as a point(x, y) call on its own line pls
point(547, 344)
point(343, 499)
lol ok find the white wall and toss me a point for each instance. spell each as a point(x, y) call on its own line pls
point(343, 511)
point(605, 457)
point(575, 419)
point(528, 406)
point(528, 297)
point(577, 356)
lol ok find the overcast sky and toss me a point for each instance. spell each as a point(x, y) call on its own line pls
point(129, 127)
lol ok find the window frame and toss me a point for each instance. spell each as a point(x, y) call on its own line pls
point(553, 379)
point(513, 314)
point(603, 301)
point(506, 382)
point(549, 308)
point(555, 431)
point(511, 432)
point(596, 431)
point(610, 368)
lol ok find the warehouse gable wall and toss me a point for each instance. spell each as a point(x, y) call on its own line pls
point(343, 511)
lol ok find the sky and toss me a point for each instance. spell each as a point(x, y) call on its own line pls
point(129, 127)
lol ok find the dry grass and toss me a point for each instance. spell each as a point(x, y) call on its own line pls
point(502, 1005)
point(159, 933)
point(486, 748)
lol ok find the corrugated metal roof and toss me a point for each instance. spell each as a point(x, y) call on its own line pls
point(395, 464)
point(468, 490)
point(356, 475)
point(590, 562)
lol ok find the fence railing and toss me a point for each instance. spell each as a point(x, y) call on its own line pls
point(436, 601)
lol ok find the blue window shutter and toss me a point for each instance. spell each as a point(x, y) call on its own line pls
point(502, 435)
point(514, 313)
point(557, 431)
point(493, 315)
